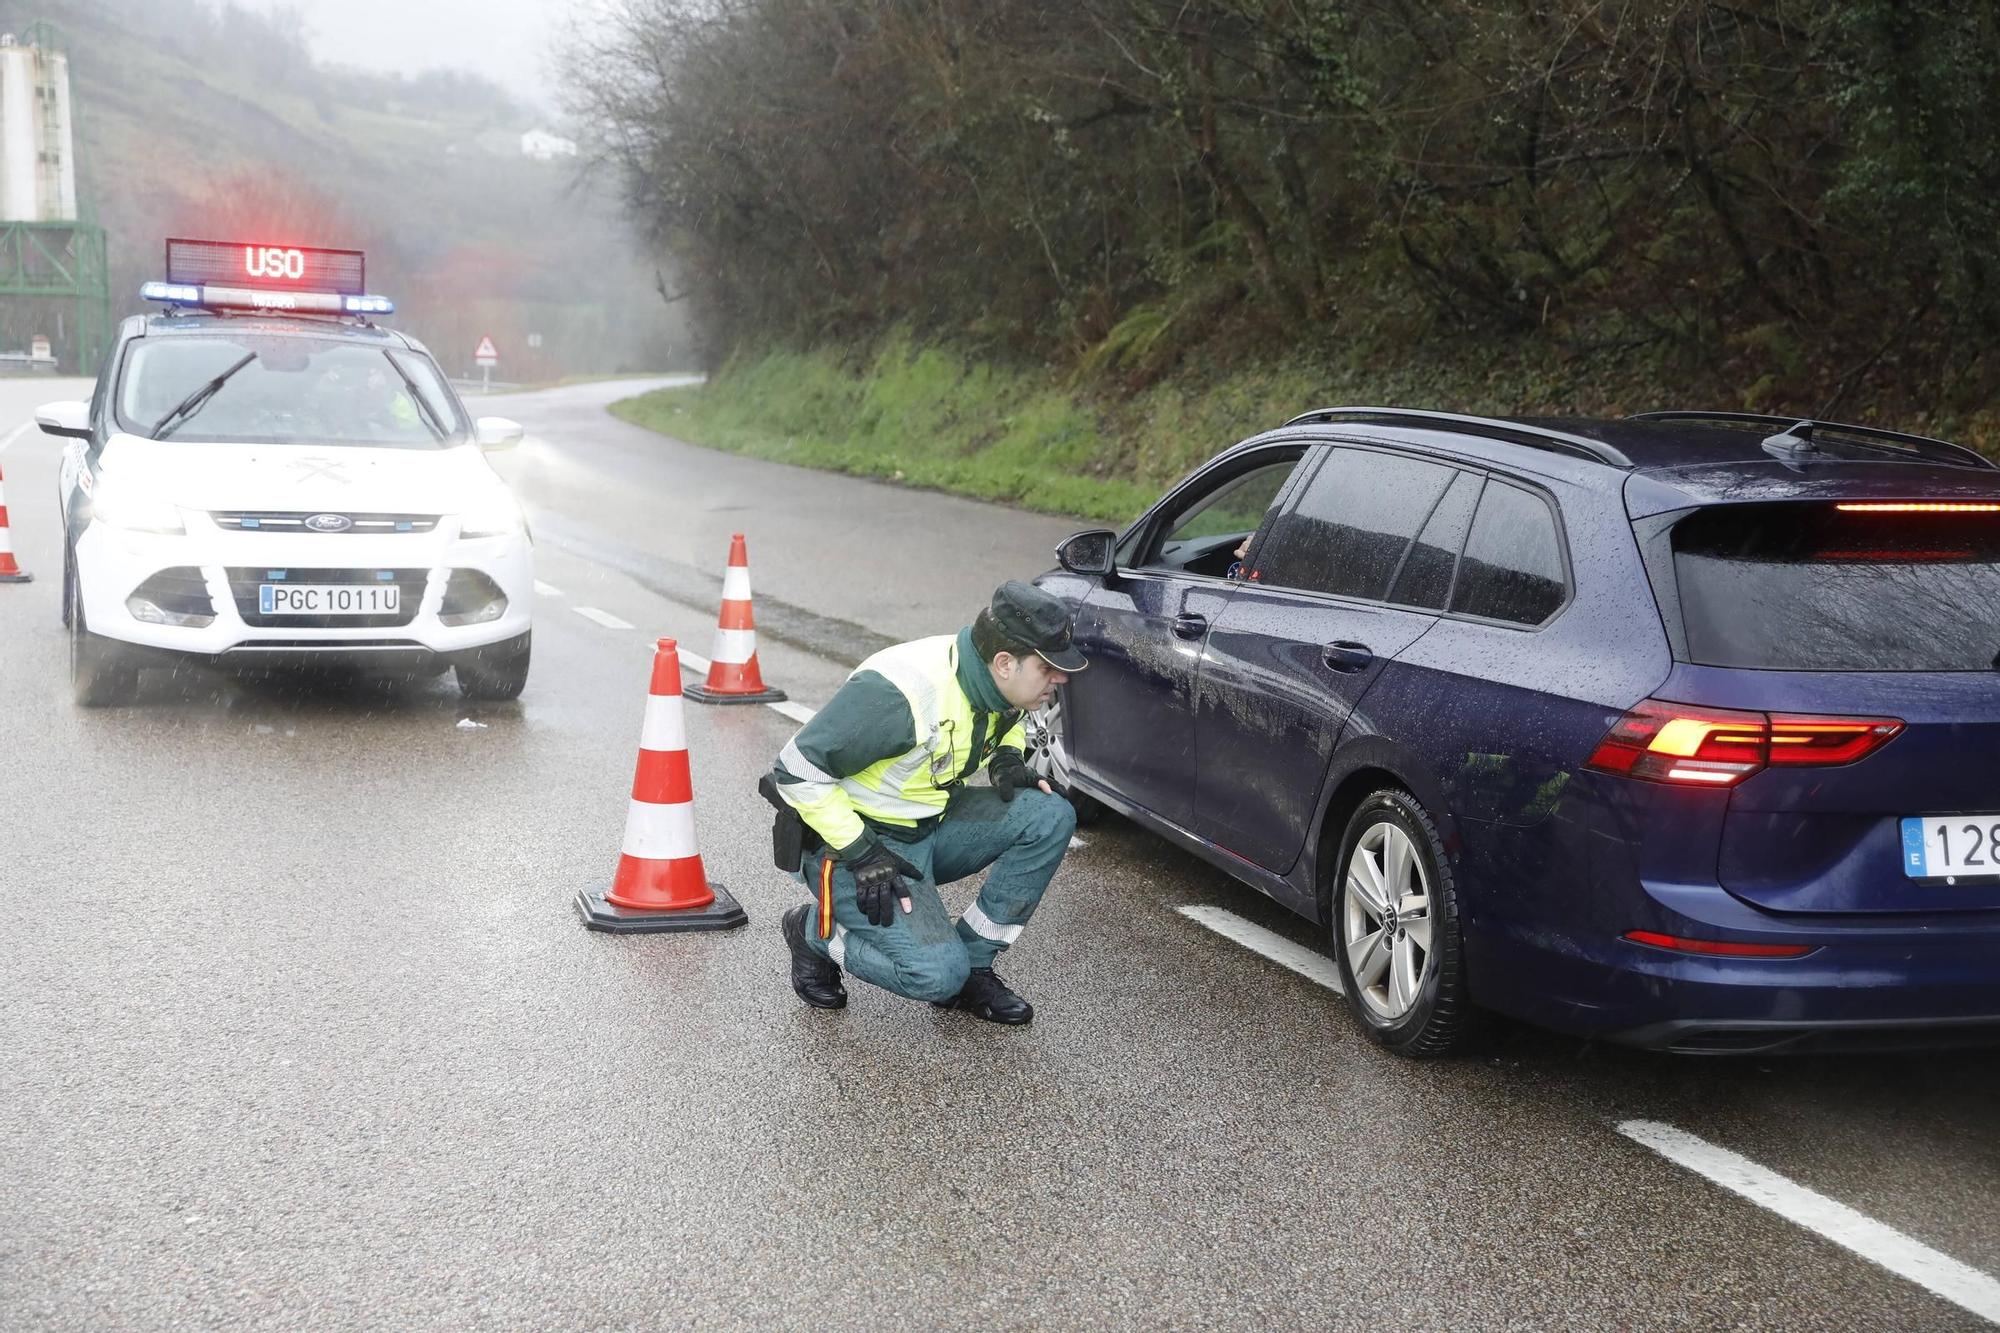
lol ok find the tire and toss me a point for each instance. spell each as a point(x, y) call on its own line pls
point(99, 674)
point(1410, 996)
point(496, 673)
point(1048, 756)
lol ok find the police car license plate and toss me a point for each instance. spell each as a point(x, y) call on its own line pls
point(1954, 846)
point(329, 599)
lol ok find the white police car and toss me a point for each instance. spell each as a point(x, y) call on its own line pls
point(264, 478)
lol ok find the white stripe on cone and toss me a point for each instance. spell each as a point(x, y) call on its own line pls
point(734, 647)
point(666, 724)
point(660, 832)
point(736, 584)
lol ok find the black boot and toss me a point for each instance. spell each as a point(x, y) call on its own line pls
point(816, 979)
point(986, 996)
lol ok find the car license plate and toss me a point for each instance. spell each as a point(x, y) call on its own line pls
point(329, 599)
point(1952, 846)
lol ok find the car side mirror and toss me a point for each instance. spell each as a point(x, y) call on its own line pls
point(1087, 552)
point(499, 433)
point(67, 419)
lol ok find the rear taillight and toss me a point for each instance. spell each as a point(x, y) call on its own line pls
point(1719, 747)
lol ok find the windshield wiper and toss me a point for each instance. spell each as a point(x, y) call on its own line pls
point(416, 395)
point(195, 401)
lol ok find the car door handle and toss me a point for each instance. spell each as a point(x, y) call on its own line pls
point(1347, 655)
point(1190, 626)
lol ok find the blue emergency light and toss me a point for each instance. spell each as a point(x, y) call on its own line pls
point(238, 275)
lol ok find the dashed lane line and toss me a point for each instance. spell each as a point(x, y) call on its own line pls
point(1308, 963)
point(14, 435)
point(796, 712)
point(547, 589)
point(1937, 1273)
point(604, 618)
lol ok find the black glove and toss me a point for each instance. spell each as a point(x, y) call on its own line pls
point(878, 882)
point(1011, 775)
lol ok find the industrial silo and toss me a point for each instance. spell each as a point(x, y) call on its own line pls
point(53, 271)
point(37, 151)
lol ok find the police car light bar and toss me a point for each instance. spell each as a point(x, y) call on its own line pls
point(252, 298)
point(240, 275)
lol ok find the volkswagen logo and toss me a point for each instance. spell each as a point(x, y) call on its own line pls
point(329, 522)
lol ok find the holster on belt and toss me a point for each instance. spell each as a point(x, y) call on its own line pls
point(791, 836)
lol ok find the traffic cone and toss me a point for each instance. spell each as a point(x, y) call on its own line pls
point(660, 884)
point(10, 572)
point(733, 677)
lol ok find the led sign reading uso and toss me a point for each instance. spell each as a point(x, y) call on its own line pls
point(295, 268)
point(268, 261)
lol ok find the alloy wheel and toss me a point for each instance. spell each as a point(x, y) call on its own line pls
point(1042, 731)
point(1386, 920)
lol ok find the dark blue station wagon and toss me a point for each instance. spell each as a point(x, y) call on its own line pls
point(1682, 730)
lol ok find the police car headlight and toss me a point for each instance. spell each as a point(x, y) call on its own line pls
point(500, 517)
point(133, 512)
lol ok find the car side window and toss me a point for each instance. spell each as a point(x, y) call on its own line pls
point(1204, 533)
point(1512, 569)
point(1425, 579)
point(1350, 530)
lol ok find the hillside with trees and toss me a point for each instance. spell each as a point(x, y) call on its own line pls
point(1535, 205)
point(198, 119)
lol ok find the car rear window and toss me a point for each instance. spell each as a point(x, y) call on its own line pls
point(1512, 568)
point(1816, 587)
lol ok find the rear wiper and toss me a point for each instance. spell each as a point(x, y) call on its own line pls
point(195, 401)
point(423, 408)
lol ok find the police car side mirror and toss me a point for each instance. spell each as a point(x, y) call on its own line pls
point(1087, 552)
point(499, 433)
point(67, 419)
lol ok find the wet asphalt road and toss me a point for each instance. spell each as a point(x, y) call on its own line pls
point(300, 1029)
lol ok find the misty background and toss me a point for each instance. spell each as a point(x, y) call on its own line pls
point(396, 128)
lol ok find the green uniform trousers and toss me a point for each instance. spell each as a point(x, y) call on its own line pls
point(924, 954)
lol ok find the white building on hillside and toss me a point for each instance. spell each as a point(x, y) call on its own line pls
point(546, 147)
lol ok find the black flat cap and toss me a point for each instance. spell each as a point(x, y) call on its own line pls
point(1037, 620)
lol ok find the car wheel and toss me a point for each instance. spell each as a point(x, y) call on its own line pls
point(1048, 755)
point(99, 675)
point(496, 673)
point(1395, 929)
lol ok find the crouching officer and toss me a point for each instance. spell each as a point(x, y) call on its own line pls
point(874, 813)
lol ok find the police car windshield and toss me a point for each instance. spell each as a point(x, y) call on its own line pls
point(317, 391)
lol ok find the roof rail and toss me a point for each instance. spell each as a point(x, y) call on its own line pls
point(1496, 428)
point(1802, 429)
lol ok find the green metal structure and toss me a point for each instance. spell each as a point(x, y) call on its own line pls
point(59, 264)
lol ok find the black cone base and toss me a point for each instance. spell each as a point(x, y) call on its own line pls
point(701, 694)
point(25, 577)
point(722, 914)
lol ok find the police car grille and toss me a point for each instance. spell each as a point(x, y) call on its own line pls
point(364, 525)
point(244, 584)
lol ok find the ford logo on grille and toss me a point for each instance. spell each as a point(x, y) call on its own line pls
point(329, 522)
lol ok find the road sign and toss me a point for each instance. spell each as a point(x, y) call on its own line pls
point(534, 340)
point(486, 354)
point(39, 348)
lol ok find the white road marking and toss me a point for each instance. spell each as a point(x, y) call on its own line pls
point(604, 618)
point(1939, 1274)
point(547, 589)
point(1308, 963)
point(14, 435)
point(796, 712)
